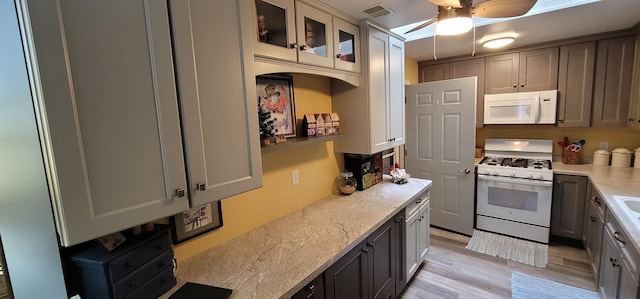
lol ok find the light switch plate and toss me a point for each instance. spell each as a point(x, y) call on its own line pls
point(295, 177)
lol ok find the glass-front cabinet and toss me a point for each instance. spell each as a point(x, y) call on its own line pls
point(346, 41)
point(294, 31)
point(276, 33)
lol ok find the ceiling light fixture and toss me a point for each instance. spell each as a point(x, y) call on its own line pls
point(498, 42)
point(454, 21)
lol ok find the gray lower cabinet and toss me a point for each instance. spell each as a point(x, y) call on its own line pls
point(109, 104)
point(593, 232)
point(370, 270)
point(567, 211)
point(619, 269)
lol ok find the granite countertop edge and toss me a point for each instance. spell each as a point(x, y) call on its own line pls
point(277, 259)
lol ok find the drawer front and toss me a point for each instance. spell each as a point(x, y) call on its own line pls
point(145, 273)
point(416, 203)
point(629, 255)
point(313, 290)
point(157, 286)
point(133, 260)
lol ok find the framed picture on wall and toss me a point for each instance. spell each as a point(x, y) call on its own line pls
point(196, 221)
point(275, 95)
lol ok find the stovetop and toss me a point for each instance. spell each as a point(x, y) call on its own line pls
point(517, 162)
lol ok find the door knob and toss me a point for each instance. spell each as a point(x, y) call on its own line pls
point(465, 171)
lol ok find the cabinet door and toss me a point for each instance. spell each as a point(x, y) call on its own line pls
point(315, 36)
point(396, 92)
point(610, 268)
point(628, 287)
point(472, 68)
point(575, 84)
point(501, 73)
point(112, 134)
point(423, 234)
point(434, 72)
point(412, 251)
point(217, 93)
point(275, 29)
point(348, 277)
point(346, 45)
point(538, 70)
point(401, 237)
point(594, 244)
point(378, 89)
point(613, 82)
point(567, 209)
point(382, 260)
point(633, 120)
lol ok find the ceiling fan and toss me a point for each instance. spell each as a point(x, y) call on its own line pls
point(454, 16)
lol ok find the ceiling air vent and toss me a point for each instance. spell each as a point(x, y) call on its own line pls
point(378, 11)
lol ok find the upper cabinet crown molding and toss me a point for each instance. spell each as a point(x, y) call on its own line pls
point(295, 37)
point(108, 106)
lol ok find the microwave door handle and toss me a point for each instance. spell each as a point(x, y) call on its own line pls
point(536, 110)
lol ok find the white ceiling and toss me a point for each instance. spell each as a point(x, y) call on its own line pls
point(601, 16)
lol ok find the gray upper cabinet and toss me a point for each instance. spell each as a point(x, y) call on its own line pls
point(107, 105)
point(524, 71)
point(218, 98)
point(459, 69)
point(575, 84)
point(612, 89)
point(633, 120)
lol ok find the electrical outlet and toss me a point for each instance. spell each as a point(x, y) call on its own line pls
point(604, 145)
point(295, 177)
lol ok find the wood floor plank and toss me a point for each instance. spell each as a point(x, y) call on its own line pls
point(452, 271)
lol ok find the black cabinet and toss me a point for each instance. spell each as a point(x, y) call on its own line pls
point(141, 267)
point(567, 210)
point(372, 268)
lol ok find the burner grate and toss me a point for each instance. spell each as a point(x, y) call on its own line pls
point(514, 162)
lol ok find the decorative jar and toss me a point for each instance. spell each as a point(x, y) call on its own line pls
point(346, 183)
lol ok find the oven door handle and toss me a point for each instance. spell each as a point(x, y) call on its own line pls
point(515, 180)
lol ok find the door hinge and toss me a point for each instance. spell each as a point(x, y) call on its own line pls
point(405, 100)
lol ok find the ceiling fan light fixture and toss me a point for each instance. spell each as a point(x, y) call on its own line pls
point(498, 42)
point(454, 26)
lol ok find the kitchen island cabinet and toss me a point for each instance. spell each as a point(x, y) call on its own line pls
point(108, 108)
point(282, 257)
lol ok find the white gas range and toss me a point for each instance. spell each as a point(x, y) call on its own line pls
point(514, 189)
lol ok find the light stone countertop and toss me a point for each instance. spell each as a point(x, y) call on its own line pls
point(280, 257)
point(610, 181)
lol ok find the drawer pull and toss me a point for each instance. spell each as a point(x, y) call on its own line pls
point(419, 200)
point(616, 235)
point(597, 201)
point(593, 219)
point(312, 291)
point(399, 219)
point(614, 262)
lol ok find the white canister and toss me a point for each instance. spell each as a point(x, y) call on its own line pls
point(636, 164)
point(621, 157)
point(601, 157)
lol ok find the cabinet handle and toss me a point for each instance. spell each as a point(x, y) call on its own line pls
point(420, 219)
point(614, 262)
point(292, 45)
point(399, 219)
point(521, 84)
point(515, 85)
point(311, 290)
point(631, 119)
point(593, 219)
point(419, 200)
point(338, 56)
point(180, 193)
point(561, 120)
point(303, 48)
point(372, 244)
point(366, 250)
point(616, 235)
point(597, 201)
point(201, 187)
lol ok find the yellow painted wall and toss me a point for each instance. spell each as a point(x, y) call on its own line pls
point(317, 168)
point(410, 71)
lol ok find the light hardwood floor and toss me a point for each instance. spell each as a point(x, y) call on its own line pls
point(451, 271)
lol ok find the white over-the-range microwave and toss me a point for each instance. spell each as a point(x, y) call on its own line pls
point(535, 107)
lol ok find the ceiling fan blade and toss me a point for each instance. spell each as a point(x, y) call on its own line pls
point(446, 3)
point(425, 24)
point(502, 8)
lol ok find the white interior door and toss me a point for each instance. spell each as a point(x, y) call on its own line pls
point(440, 147)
